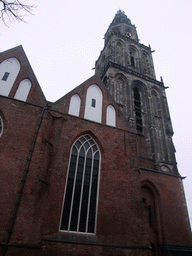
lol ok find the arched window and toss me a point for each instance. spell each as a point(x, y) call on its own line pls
point(111, 116)
point(1, 126)
point(138, 114)
point(75, 103)
point(132, 56)
point(23, 90)
point(133, 53)
point(9, 70)
point(94, 101)
point(80, 203)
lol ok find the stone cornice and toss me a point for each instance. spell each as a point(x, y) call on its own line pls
point(148, 48)
point(132, 72)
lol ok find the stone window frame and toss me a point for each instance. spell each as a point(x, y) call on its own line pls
point(1, 126)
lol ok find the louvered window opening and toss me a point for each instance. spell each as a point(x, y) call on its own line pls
point(80, 203)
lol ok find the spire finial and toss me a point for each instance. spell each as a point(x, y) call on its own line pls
point(121, 17)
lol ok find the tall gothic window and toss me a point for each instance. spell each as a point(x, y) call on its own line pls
point(137, 102)
point(80, 203)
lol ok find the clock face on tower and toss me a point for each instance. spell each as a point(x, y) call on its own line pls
point(130, 34)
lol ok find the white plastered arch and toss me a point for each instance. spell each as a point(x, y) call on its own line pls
point(74, 107)
point(111, 116)
point(23, 90)
point(9, 68)
point(93, 106)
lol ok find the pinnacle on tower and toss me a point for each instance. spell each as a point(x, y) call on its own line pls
point(121, 17)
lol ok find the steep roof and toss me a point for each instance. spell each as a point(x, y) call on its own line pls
point(25, 72)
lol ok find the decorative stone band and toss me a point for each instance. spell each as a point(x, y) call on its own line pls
point(132, 72)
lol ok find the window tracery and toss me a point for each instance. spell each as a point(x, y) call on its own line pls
point(80, 204)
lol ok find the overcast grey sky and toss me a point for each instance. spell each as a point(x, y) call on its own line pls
point(64, 38)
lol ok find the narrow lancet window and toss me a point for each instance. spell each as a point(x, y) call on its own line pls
point(80, 203)
point(138, 114)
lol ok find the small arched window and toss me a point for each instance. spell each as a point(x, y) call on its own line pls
point(9, 70)
point(111, 116)
point(132, 56)
point(74, 107)
point(23, 90)
point(1, 126)
point(80, 203)
point(133, 53)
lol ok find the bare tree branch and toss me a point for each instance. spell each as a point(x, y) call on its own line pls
point(13, 11)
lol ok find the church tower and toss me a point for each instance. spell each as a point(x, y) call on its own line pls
point(126, 67)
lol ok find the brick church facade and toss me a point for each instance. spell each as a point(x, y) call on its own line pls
point(93, 173)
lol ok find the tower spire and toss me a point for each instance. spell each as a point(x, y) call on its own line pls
point(126, 67)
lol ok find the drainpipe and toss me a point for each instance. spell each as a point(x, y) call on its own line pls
point(23, 182)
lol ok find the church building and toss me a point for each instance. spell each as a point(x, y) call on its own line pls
point(94, 173)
